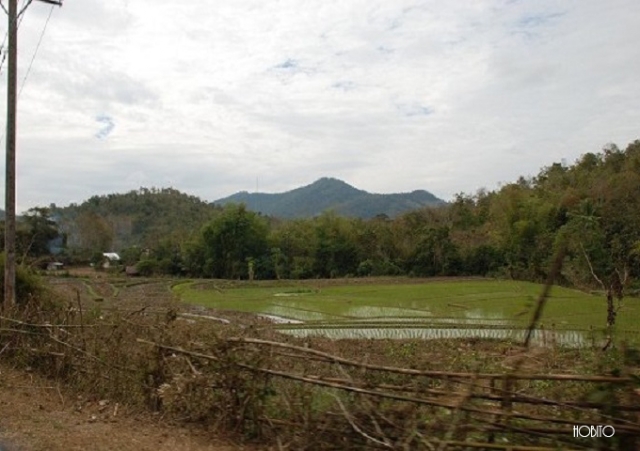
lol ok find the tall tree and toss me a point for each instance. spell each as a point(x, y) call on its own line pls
point(233, 241)
point(94, 232)
point(41, 234)
point(293, 245)
point(336, 253)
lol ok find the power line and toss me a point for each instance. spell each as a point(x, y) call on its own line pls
point(35, 52)
point(33, 57)
point(25, 4)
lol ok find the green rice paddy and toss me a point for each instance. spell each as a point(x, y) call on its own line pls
point(406, 309)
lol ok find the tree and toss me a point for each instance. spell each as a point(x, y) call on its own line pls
point(94, 232)
point(293, 245)
point(521, 222)
point(603, 227)
point(41, 233)
point(335, 253)
point(377, 250)
point(435, 254)
point(231, 241)
point(138, 218)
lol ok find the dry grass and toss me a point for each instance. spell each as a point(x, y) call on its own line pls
point(136, 349)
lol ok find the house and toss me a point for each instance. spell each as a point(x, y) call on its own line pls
point(110, 259)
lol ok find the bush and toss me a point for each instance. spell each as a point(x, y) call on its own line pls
point(147, 267)
point(28, 285)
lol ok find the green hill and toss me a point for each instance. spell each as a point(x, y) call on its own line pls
point(332, 194)
point(138, 218)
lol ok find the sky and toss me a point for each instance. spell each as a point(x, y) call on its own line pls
point(212, 98)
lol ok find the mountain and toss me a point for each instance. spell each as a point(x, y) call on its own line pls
point(332, 194)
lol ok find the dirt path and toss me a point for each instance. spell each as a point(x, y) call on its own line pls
point(37, 415)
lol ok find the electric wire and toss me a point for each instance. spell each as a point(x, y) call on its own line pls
point(35, 52)
point(25, 4)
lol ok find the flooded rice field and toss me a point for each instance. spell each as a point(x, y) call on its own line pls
point(492, 309)
point(571, 338)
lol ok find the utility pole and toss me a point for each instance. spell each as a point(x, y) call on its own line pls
point(10, 168)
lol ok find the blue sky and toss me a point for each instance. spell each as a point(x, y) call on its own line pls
point(214, 98)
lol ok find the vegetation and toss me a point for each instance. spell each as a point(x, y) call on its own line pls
point(247, 380)
point(145, 219)
point(228, 245)
point(590, 209)
point(37, 236)
point(126, 342)
point(29, 287)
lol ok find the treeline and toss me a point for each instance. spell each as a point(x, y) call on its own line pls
point(140, 218)
point(591, 209)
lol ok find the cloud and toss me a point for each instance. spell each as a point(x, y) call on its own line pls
point(537, 20)
point(415, 109)
point(107, 126)
point(287, 64)
point(392, 96)
point(84, 82)
point(344, 85)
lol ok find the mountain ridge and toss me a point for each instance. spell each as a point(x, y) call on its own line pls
point(328, 193)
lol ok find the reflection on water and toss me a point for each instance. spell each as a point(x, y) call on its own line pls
point(404, 323)
point(541, 337)
point(294, 313)
point(471, 321)
point(305, 311)
point(281, 319)
point(368, 311)
point(478, 316)
point(338, 320)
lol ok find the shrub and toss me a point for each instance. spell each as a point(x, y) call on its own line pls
point(147, 267)
point(28, 285)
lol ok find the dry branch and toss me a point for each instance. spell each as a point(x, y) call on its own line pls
point(466, 396)
point(553, 274)
point(519, 398)
point(430, 373)
point(363, 391)
point(359, 430)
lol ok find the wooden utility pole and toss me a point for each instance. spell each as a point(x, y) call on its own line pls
point(10, 168)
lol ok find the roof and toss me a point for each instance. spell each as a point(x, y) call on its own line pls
point(111, 255)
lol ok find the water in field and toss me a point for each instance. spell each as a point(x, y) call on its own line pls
point(543, 338)
point(459, 309)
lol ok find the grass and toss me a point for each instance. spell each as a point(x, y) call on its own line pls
point(405, 303)
point(237, 379)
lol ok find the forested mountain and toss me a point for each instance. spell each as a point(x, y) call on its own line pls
point(141, 218)
point(331, 194)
